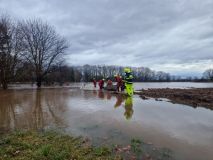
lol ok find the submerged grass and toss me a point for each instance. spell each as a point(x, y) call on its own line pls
point(50, 146)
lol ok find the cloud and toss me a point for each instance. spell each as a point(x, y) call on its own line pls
point(164, 35)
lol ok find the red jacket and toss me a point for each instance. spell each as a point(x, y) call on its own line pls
point(118, 79)
point(94, 81)
point(101, 82)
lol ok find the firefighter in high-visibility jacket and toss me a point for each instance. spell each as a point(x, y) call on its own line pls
point(128, 79)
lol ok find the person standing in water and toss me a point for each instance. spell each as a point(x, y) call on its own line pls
point(128, 80)
point(101, 84)
point(118, 79)
point(94, 82)
point(109, 84)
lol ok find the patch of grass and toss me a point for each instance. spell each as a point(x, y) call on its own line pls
point(102, 151)
point(45, 150)
point(148, 151)
point(55, 146)
point(49, 146)
point(136, 145)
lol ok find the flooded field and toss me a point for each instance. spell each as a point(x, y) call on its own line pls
point(137, 85)
point(111, 119)
point(146, 85)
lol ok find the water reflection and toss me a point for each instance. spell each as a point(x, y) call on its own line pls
point(29, 110)
point(94, 93)
point(128, 108)
point(100, 114)
point(38, 117)
point(120, 99)
point(101, 94)
point(7, 111)
point(109, 95)
point(128, 105)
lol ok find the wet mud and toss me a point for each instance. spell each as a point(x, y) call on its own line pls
point(202, 97)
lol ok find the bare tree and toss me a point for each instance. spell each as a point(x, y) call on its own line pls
point(208, 74)
point(42, 46)
point(9, 50)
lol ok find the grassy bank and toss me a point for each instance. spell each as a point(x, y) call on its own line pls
point(56, 146)
point(50, 146)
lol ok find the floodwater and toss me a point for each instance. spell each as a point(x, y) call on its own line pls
point(112, 119)
point(185, 85)
point(137, 85)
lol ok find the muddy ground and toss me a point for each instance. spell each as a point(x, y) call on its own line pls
point(194, 97)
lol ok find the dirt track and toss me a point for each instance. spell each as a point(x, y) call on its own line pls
point(194, 97)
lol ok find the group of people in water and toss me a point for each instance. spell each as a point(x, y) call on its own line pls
point(124, 82)
point(121, 83)
point(109, 83)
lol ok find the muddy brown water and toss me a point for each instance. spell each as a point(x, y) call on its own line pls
point(137, 85)
point(113, 119)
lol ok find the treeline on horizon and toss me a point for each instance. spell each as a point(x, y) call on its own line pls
point(86, 73)
point(32, 51)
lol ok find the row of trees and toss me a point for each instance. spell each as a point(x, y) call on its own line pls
point(139, 73)
point(208, 74)
point(63, 73)
point(28, 44)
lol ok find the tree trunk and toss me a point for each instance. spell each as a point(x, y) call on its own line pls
point(3, 80)
point(4, 85)
point(39, 79)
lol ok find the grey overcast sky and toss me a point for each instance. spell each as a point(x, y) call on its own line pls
point(175, 36)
